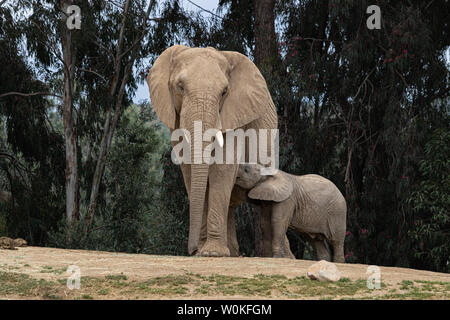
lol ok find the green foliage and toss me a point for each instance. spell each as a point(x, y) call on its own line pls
point(431, 205)
point(172, 216)
point(357, 105)
point(132, 178)
point(31, 161)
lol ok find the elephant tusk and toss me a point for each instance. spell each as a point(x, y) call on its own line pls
point(219, 138)
point(186, 137)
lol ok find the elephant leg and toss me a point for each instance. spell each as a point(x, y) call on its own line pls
point(267, 231)
point(279, 228)
point(339, 228)
point(232, 242)
point(281, 217)
point(238, 195)
point(338, 251)
point(321, 249)
point(203, 230)
point(221, 181)
point(287, 253)
point(282, 249)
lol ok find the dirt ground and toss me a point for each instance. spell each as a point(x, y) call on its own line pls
point(51, 264)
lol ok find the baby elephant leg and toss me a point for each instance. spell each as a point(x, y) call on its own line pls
point(287, 253)
point(280, 223)
point(282, 247)
point(321, 249)
point(338, 251)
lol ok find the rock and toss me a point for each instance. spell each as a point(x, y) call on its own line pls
point(7, 243)
point(11, 244)
point(19, 242)
point(323, 271)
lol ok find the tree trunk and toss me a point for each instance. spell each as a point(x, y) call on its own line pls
point(70, 135)
point(265, 52)
point(111, 122)
point(108, 133)
point(264, 32)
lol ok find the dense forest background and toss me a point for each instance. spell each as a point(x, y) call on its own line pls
point(82, 166)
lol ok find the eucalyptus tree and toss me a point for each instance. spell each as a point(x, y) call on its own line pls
point(99, 65)
point(361, 105)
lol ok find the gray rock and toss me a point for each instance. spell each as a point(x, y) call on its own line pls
point(323, 271)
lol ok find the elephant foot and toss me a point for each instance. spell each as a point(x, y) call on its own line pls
point(277, 255)
point(214, 249)
point(234, 252)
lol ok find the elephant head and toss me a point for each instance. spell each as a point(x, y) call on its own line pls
point(223, 89)
point(276, 186)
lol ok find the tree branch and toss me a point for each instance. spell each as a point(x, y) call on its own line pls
point(117, 59)
point(144, 28)
point(51, 46)
point(362, 83)
point(13, 93)
point(96, 73)
point(118, 5)
point(109, 127)
point(201, 8)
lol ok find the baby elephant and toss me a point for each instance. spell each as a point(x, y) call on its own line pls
point(310, 205)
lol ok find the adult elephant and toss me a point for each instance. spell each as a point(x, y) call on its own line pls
point(224, 90)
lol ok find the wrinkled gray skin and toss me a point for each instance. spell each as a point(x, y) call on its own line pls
point(221, 90)
point(310, 205)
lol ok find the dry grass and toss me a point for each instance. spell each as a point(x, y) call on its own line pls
point(41, 273)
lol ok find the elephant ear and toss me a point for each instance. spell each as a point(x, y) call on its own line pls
point(247, 93)
point(158, 84)
point(275, 188)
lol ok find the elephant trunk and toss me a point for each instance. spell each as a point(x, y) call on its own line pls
point(199, 174)
point(198, 111)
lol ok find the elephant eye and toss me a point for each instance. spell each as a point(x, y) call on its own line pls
point(180, 86)
point(224, 92)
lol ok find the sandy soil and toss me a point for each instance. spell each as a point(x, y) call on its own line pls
point(32, 260)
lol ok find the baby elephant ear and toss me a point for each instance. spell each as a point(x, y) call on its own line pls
point(276, 188)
